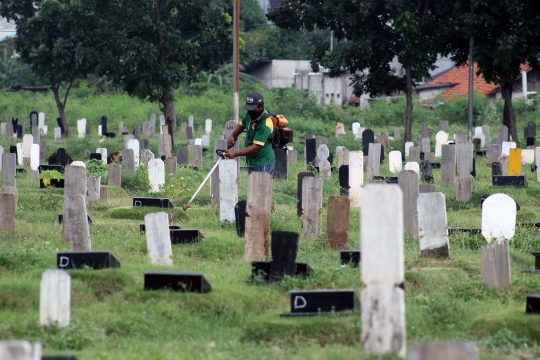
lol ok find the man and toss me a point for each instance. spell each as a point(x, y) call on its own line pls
point(260, 128)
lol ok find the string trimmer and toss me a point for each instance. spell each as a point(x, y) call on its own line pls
point(221, 154)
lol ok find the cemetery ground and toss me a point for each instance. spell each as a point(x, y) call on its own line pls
point(113, 318)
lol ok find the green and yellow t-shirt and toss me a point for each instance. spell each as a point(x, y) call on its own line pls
point(259, 134)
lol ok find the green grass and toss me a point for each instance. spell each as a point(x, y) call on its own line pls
point(113, 318)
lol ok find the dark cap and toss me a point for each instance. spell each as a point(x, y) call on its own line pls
point(253, 99)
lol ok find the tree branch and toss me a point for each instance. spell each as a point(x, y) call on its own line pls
point(67, 92)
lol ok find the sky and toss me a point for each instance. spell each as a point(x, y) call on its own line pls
point(7, 29)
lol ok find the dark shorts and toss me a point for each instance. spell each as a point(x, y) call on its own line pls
point(267, 168)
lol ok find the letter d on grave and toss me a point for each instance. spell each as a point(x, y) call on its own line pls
point(299, 302)
point(383, 301)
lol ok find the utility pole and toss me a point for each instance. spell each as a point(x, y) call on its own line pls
point(471, 88)
point(236, 60)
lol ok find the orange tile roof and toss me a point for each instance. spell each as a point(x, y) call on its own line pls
point(460, 77)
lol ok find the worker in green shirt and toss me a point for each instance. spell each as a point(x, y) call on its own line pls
point(260, 128)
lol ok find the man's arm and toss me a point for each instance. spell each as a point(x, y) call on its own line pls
point(239, 128)
point(251, 149)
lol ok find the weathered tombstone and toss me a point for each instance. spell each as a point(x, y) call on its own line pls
point(284, 249)
point(493, 153)
point(20, 350)
point(145, 144)
point(28, 140)
point(408, 182)
point(503, 134)
point(498, 218)
point(115, 175)
point(384, 140)
point(128, 158)
point(414, 154)
point(527, 156)
point(440, 139)
point(414, 166)
point(464, 166)
point(208, 126)
point(514, 162)
point(374, 157)
point(324, 165)
point(189, 132)
point(443, 351)
point(310, 151)
point(425, 130)
point(103, 194)
point(426, 188)
point(311, 207)
point(460, 137)
point(355, 126)
point(158, 238)
point(146, 156)
point(137, 132)
point(356, 177)
point(337, 222)
point(103, 152)
point(258, 206)
point(228, 190)
point(81, 127)
point(496, 265)
point(443, 126)
point(146, 128)
point(432, 225)
point(36, 135)
point(368, 137)
point(8, 205)
point(9, 168)
point(429, 156)
point(292, 157)
point(197, 156)
point(55, 298)
point(76, 221)
point(9, 132)
point(182, 156)
point(407, 148)
point(20, 156)
point(156, 174)
point(127, 137)
point(426, 145)
point(94, 189)
point(485, 131)
point(504, 159)
point(343, 156)
point(299, 191)
point(134, 144)
point(190, 121)
point(397, 133)
point(394, 161)
point(170, 165)
point(57, 134)
point(382, 270)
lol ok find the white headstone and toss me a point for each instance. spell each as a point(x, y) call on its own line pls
point(324, 165)
point(208, 127)
point(103, 152)
point(134, 144)
point(355, 127)
point(394, 160)
point(408, 145)
point(228, 190)
point(506, 146)
point(360, 132)
point(55, 298)
point(356, 177)
point(412, 165)
point(158, 238)
point(34, 157)
point(190, 121)
point(432, 221)
point(527, 156)
point(440, 139)
point(57, 134)
point(81, 127)
point(205, 140)
point(100, 130)
point(198, 141)
point(382, 270)
point(41, 120)
point(20, 350)
point(20, 152)
point(498, 218)
point(156, 174)
point(28, 140)
point(478, 130)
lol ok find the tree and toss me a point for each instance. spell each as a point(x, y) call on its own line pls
point(370, 34)
point(150, 48)
point(506, 36)
point(52, 36)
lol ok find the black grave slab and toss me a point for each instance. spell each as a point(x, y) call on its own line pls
point(435, 165)
point(473, 172)
point(536, 269)
point(509, 180)
point(332, 169)
point(480, 152)
point(465, 230)
point(280, 170)
point(496, 169)
point(80, 259)
point(20, 170)
point(96, 156)
point(109, 134)
point(263, 268)
point(368, 137)
point(530, 141)
point(13, 149)
point(284, 248)
point(352, 257)
point(153, 202)
point(19, 132)
point(315, 302)
point(385, 178)
point(311, 151)
point(176, 281)
point(58, 168)
point(142, 227)
point(533, 304)
point(61, 157)
point(54, 183)
point(185, 236)
point(240, 217)
point(60, 125)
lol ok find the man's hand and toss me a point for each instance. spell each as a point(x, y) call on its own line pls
point(231, 141)
point(229, 154)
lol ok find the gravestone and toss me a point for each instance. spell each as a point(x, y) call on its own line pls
point(134, 144)
point(156, 174)
point(228, 190)
point(432, 225)
point(182, 156)
point(284, 248)
point(205, 140)
point(299, 191)
point(167, 142)
point(190, 121)
point(443, 351)
point(36, 135)
point(55, 298)
point(81, 127)
point(374, 157)
point(337, 222)
point(94, 189)
point(258, 206)
point(146, 128)
point(104, 125)
point(426, 188)
point(356, 177)
point(214, 185)
point(440, 139)
point(103, 152)
point(189, 133)
point(343, 156)
point(443, 126)
point(311, 207)
point(8, 205)
point(429, 157)
point(137, 132)
point(128, 158)
point(514, 162)
point(310, 151)
point(76, 221)
point(146, 156)
point(127, 137)
point(19, 152)
point(382, 270)
point(183, 127)
point(355, 126)
point(487, 137)
point(498, 218)
point(280, 168)
point(292, 157)
point(506, 146)
point(197, 156)
point(158, 238)
point(425, 130)
point(145, 144)
point(384, 140)
point(493, 153)
point(426, 145)
point(411, 165)
point(407, 148)
point(21, 350)
point(496, 271)
point(426, 171)
point(527, 156)
point(394, 161)
point(504, 159)
point(28, 140)
point(324, 165)
point(414, 154)
point(464, 166)
point(397, 133)
point(408, 182)
point(460, 137)
point(530, 130)
point(9, 169)
point(170, 165)
point(57, 134)
point(368, 137)
point(115, 175)
point(496, 169)
point(208, 126)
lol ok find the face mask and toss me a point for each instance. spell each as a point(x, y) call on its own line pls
point(255, 114)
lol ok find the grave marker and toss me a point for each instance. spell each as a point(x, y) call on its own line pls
point(498, 218)
point(356, 177)
point(300, 181)
point(337, 222)
point(426, 145)
point(514, 162)
point(368, 137)
point(156, 174)
point(8, 205)
point(311, 207)
point(432, 225)
point(158, 238)
point(57, 134)
point(496, 265)
point(134, 145)
point(197, 156)
point(146, 156)
point(284, 248)
point(21, 350)
point(128, 158)
point(115, 175)
point(527, 156)
point(55, 298)
point(208, 126)
point(408, 182)
point(94, 189)
point(384, 140)
point(374, 157)
point(258, 205)
point(310, 151)
point(493, 153)
point(443, 126)
point(9, 169)
point(81, 127)
point(414, 154)
point(443, 351)
point(343, 156)
point(464, 166)
point(411, 165)
point(182, 156)
point(170, 165)
point(76, 222)
point(394, 161)
point(228, 190)
point(506, 146)
point(324, 165)
point(440, 139)
point(292, 157)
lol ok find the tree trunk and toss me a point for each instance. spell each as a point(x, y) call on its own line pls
point(60, 106)
point(408, 111)
point(169, 111)
point(509, 118)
